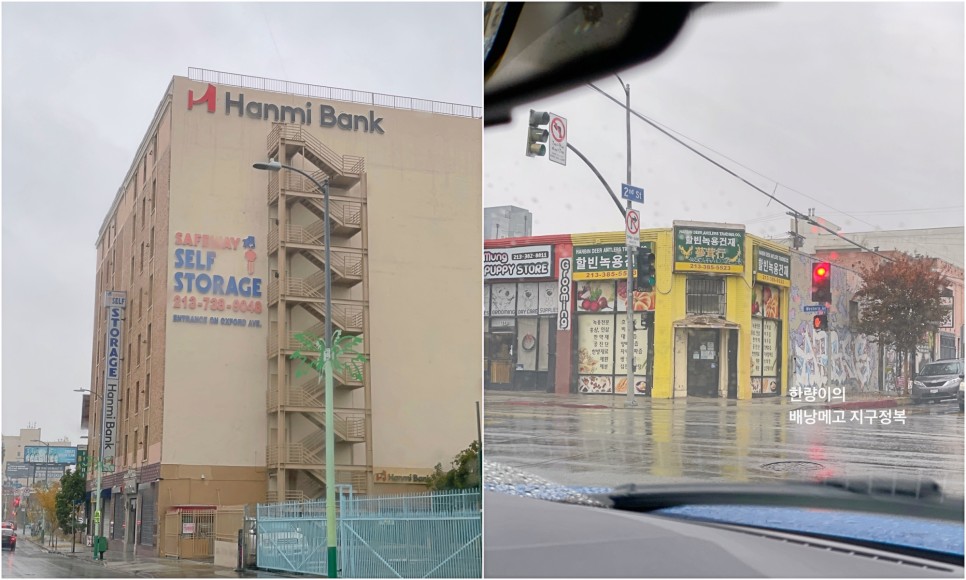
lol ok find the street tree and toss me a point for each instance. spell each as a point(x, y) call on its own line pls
point(464, 474)
point(47, 502)
point(900, 302)
point(71, 494)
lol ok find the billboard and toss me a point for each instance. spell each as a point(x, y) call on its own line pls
point(49, 472)
point(36, 471)
point(18, 470)
point(44, 454)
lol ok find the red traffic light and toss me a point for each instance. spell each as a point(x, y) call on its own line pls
point(16, 502)
point(821, 282)
point(821, 271)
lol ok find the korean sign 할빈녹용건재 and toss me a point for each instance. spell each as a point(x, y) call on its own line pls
point(602, 262)
point(773, 267)
point(709, 249)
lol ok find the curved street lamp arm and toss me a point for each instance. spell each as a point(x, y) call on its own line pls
point(600, 177)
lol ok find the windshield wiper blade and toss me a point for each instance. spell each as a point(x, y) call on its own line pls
point(920, 498)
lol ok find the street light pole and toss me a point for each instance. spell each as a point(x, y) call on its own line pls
point(98, 527)
point(331, 553)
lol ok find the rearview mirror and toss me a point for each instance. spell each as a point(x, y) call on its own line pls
point(534, 49)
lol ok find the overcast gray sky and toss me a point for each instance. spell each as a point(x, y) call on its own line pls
point(80, 85)
point(859, 106)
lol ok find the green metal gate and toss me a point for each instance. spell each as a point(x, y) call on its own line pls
point(429, 535)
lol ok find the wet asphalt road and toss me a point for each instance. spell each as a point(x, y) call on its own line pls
point(581, 440)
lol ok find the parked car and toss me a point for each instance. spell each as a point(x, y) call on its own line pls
point(9, 536)
point(959, 395)
point(937, 380)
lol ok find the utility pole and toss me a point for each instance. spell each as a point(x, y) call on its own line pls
point(629, 300)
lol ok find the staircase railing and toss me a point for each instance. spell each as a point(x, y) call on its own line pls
point(344, 164)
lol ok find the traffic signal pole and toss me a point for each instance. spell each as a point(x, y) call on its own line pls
point(629, 296)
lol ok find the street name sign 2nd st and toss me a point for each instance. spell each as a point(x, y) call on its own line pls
point(632, 193)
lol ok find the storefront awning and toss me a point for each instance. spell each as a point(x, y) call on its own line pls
point(704, 321)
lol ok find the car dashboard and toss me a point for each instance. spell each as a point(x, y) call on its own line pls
point(530, 538)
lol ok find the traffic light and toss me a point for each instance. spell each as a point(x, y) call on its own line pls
point(645, 270)
point(537, 135)
point(821, 282)
point(820, 322)
point(16, 502)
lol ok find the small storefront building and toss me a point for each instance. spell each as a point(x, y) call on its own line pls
point(522, 299)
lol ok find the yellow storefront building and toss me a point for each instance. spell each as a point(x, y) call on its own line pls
point(720, 309)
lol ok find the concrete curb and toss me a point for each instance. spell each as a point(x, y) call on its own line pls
point(861, 404)
point(869, 404)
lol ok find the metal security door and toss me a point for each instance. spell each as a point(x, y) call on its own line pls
point(703, 362)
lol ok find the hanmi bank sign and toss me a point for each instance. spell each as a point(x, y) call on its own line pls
point(327, 115)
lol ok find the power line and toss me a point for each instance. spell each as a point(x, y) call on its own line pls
point(742, 165)
point(798, 214)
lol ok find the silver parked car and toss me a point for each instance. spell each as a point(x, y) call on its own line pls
point(938, 380)
point(959, 395)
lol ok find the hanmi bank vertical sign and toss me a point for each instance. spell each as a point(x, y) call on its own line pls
point(114, 302)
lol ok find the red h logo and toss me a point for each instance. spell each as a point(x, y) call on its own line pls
point(208, 97)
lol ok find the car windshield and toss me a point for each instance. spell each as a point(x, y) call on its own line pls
point(700, 289)
point(935, 369)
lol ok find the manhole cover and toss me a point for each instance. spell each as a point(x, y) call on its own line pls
point(792, 466)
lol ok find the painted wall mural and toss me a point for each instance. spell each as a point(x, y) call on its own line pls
point(854, 358)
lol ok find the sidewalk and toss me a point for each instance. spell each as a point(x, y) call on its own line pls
point(62, 546)
point(134, 564)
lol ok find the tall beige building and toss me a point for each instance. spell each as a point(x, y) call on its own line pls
point(222, 266)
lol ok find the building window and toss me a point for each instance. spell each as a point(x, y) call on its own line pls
point(139, 349)
point(144, 455)
point(123, 455)
point(151, 244)
point(154, 193)
point(135, 454)
point(149, 341)
point(766, 344)
point(142, 257)
point(151, 291)
point(137, 397)
point(144, 213)
point(147, 391)
point(132, 268)
point(706, 295)
point(853, 313)
point(129, 357)
point(140, 302)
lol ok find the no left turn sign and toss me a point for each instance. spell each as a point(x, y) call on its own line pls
point(558, 129)
point(633, 228)
point(558, 143)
